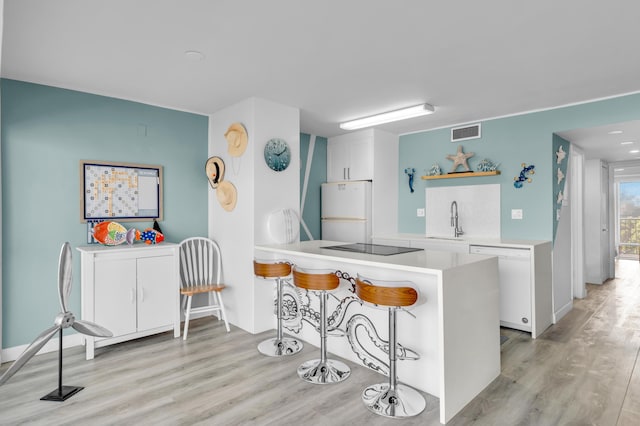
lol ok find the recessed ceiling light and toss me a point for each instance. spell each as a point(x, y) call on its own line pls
point(626, 143)
point(615, 132)
point(618, 170)
point(634, 151)
point(194, 55)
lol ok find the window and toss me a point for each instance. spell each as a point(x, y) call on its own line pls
point(629, 219)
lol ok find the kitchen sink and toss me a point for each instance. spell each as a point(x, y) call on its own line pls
point(444, 238)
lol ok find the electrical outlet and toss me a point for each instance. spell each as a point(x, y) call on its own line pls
point(420, 213)
point(516, 213)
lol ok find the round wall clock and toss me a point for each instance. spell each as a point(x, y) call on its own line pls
point(277, 154)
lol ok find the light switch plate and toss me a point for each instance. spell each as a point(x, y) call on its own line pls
point(516, 213)
point(420, 212)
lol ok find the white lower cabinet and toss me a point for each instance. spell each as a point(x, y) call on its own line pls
point(525, 285)
point(524, 271)
point(115, 286)
point(514, 272)
point(131, 291)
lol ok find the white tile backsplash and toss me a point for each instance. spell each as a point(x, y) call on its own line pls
point(478, 210)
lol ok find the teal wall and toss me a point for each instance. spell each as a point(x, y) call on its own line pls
point(317, 175)
point(561, 164)
point(45, 133)
point(509, 141)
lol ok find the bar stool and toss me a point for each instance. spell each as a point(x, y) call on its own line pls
point(279, 345)
point(320, 371)
point(391, 399)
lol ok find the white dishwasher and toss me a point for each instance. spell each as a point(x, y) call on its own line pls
point(514, 270)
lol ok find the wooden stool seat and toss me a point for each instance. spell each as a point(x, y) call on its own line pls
point(390, 399)
point(271, 270)
point(317, 281)
point(320, 371)
point(279, 345)
point(386, 296)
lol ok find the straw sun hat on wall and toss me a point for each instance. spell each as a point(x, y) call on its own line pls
point(227, 195)
point(236, 136)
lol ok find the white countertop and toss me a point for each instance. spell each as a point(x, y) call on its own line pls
point(418, 261)
point(498, 242)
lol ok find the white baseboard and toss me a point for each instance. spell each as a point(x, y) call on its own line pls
point(11, 354)
point(557, 316)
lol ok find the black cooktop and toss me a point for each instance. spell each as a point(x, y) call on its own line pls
point(376, 249)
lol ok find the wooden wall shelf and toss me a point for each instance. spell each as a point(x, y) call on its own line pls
point(462, 175)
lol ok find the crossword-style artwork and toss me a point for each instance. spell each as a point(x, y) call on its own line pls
point(111, 191)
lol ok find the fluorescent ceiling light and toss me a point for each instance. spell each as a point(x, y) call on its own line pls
point(634, 151)
point(615, 132)
point(388, 117)
point(626, 143)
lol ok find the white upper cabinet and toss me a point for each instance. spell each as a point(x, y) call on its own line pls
point(350, 157)
point(370, 154)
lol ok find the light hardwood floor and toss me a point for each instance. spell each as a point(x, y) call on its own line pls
point(583, 370)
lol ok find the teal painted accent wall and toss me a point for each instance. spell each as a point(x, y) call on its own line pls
point(558, 187)
point(46, 131)
point(317, 175)
point(509, 141)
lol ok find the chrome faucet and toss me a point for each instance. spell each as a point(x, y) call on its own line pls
point(457, 230)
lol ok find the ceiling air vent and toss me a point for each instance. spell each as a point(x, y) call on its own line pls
point(467, 132)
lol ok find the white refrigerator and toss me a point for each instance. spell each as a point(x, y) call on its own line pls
point(346, 211)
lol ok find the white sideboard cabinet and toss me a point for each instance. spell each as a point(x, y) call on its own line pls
point(133, 291)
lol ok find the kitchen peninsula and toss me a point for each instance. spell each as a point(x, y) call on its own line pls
point(454, 329)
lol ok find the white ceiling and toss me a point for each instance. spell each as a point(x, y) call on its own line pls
point(612, 142)
point(335, 60)
point(618, 144)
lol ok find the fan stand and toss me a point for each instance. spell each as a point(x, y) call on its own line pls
point(63, 392)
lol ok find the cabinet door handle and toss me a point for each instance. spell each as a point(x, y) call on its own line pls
point(344, 173)
point(141, 294)
point(348, 173)
point(132, 294)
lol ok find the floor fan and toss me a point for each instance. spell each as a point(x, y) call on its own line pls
point(64, 319)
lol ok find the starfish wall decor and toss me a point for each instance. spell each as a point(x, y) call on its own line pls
point(460, 159)
point(560, 155)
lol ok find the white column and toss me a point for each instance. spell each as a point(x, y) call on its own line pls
point(260, 192)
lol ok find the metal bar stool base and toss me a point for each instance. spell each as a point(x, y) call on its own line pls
point(323, 373)
point(280, 347)
point(403, 402)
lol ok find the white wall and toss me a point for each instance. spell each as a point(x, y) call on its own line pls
point(562, 289)
point(249, 301)
point(575, 181)
point(385, 183)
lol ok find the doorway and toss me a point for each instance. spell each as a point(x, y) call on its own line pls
point(628, 218)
